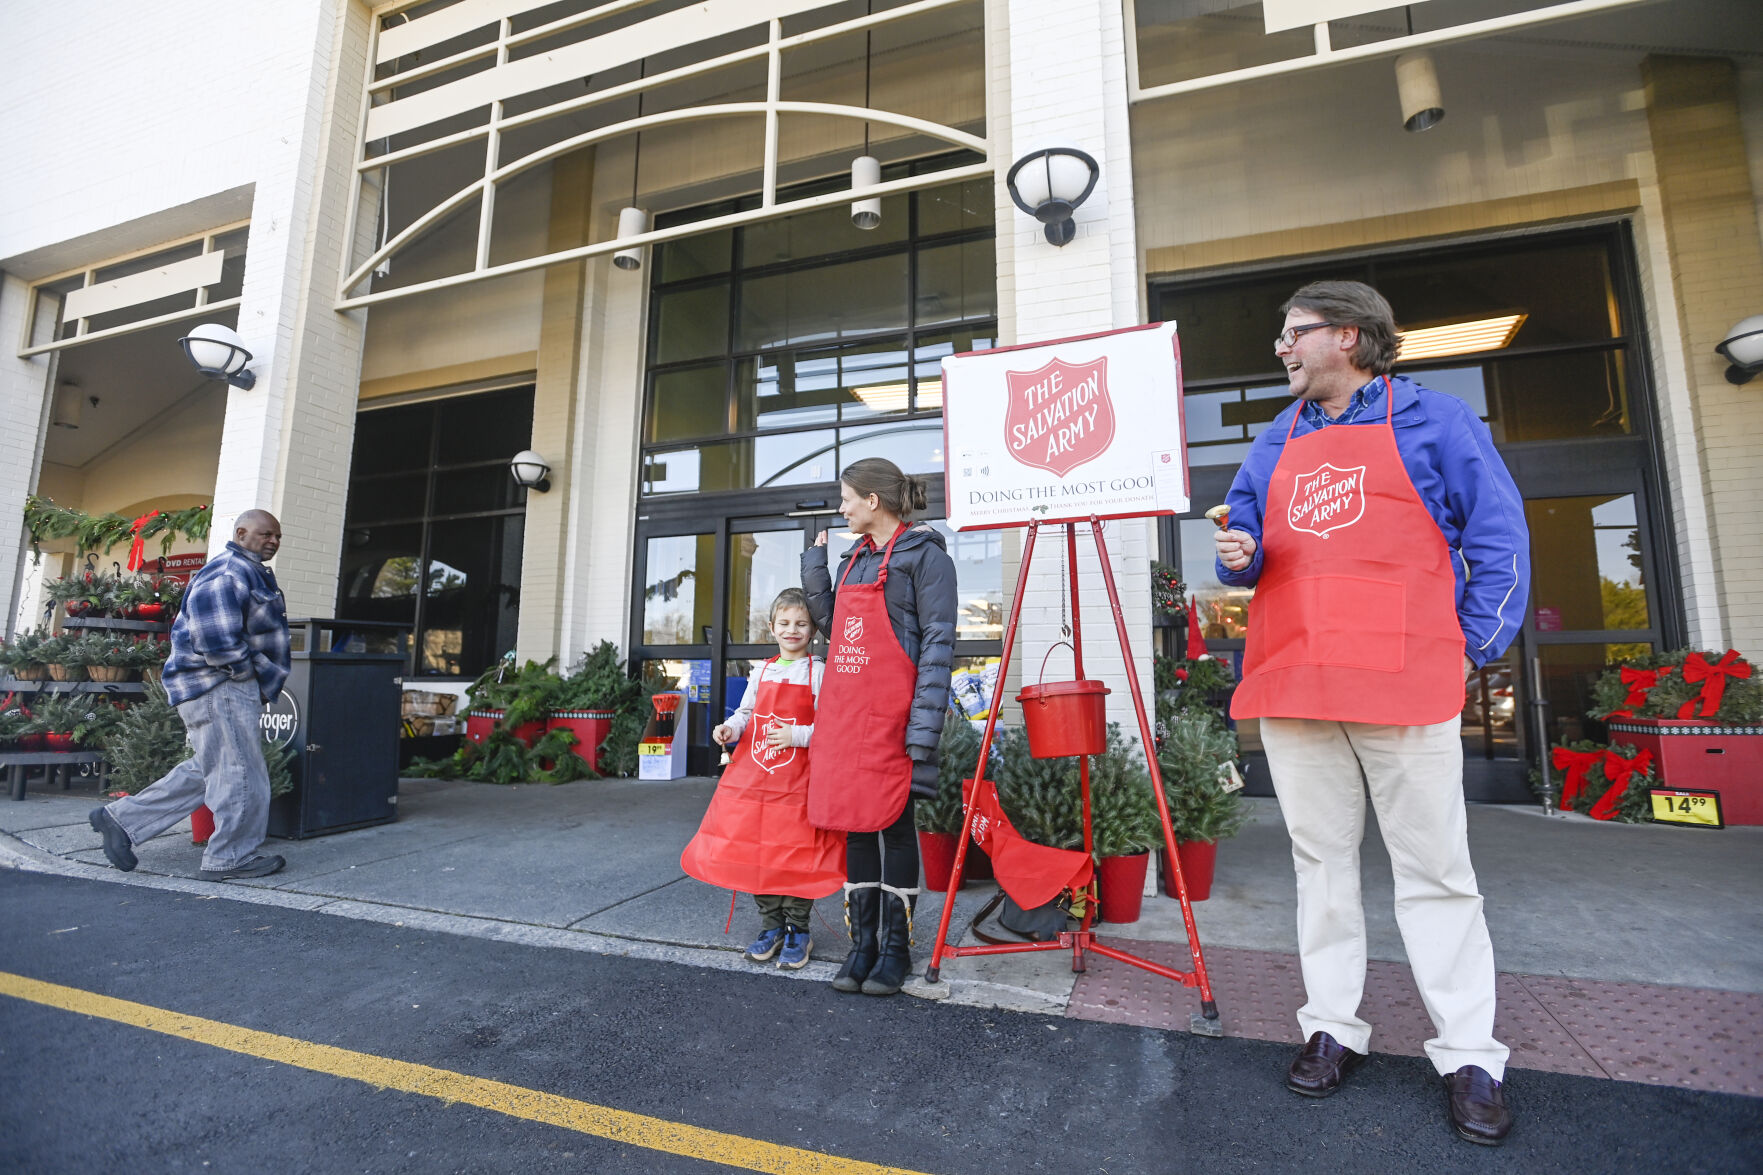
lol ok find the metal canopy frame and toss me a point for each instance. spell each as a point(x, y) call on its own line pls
point(1326, 55)
point(84, 335)
point(491, 132)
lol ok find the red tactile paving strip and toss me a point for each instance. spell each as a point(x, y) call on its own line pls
point(1684, 1036)
point(1687, 1037)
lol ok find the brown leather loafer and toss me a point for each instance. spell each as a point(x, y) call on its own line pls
point(1320, 1066)
point(1477, 1108)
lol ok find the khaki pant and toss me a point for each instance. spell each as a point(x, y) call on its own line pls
point(1414, 774)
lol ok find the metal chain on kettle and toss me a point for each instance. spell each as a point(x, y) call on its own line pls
point(1064, 624)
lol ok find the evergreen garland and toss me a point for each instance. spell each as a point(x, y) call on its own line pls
point(100, 532)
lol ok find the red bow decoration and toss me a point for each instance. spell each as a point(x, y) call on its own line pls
point(1575, 763)
point(138, 549)
point(1713, 678)
point(1640, 683)
point(1618, 770)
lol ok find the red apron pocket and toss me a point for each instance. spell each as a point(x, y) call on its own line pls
point(1343, 621)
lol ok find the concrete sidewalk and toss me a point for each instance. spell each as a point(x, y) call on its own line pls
point(1661, 928)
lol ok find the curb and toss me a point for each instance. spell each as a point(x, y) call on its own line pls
point(20, 856)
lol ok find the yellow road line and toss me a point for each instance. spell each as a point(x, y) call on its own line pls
point(657, 1134)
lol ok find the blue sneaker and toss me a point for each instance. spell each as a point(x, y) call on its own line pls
point(765, 947)
point(797, 946)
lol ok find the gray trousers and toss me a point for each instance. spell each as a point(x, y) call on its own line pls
point(227, 773)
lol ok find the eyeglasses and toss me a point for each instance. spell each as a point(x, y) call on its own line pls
point(1289, 337)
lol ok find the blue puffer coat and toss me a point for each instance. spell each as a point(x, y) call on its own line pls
point(921, 605)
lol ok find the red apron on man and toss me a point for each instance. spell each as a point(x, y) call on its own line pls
point(860, 777)
point(1355, 615)
point(756, 836)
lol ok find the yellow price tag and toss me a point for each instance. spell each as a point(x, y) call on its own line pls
point(1699, 808)
point(653, 748)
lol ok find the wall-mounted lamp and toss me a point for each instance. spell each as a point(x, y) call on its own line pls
point(531, 470)
point(219, 353)
point(1742, 348)
point(1050, 184)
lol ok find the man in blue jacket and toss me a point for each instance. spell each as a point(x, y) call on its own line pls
point(1388, 549)
point(229, 655)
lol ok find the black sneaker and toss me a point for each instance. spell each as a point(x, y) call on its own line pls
point(118, 849)
point(258, 866)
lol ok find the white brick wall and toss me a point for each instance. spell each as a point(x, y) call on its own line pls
point(1058, 79)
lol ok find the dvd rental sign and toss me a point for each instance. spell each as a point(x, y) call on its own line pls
point(1058, 431)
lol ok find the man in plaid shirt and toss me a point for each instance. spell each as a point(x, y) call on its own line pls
point(229, 655)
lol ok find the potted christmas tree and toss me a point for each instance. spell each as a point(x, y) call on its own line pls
point(1196, 762)
point(1124, 826)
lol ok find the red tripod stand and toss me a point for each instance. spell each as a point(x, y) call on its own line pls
point(1082, 939)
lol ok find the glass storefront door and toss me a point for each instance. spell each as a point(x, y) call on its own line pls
point(1565, 398)
point(707, 572)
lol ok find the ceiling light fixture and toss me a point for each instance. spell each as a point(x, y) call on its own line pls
point(632, 219)
point(1457, 338)
point(866, 168)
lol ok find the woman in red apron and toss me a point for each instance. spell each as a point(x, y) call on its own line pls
point(755, 835)
point(890, 628)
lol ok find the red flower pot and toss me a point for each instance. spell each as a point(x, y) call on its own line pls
point(76, 607)
point(150, 611)
point(201, 825)
point(58, 741)
point(1123, 887)
point(1198, 857)
point(937, 851)
point(590, 728)
point(1691, 753)
point(30, 742)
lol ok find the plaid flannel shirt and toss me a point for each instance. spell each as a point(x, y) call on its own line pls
point(233, 626)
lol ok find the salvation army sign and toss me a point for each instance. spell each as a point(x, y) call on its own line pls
point(1065, 430)
point(1060, 416)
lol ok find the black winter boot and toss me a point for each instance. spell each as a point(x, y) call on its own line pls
point(862, 908)
point(895, 942)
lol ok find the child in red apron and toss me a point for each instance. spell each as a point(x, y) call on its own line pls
point(755, 835)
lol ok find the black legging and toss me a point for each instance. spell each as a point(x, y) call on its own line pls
point(893, 859)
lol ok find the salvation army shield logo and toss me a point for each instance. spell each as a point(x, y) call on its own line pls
point(1060, 415)
point(853, 629)
point(1327, 498)
point(770, 758)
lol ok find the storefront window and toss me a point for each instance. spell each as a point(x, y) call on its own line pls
point(435, 526)
point(1591, 578)
point(763, 563)
point(811, 323)
point(979, 582)
point(676, 589)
